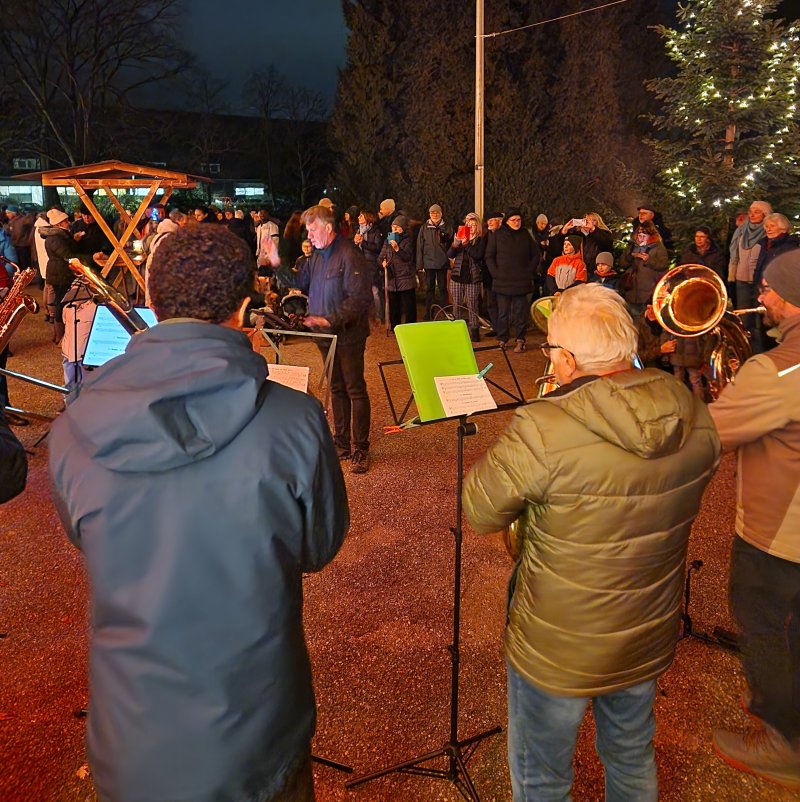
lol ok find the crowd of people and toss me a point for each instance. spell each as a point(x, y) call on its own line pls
point(604, 477)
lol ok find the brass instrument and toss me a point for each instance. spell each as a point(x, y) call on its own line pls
point(541, 309)
point(16, 304)
point(691, 300)
point(103, 293)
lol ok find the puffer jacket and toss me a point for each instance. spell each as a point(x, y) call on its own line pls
point(400, 273)
point(60, 249)
point(432, 243)
point(606, 476)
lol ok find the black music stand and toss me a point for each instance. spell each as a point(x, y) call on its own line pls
point(457, 751)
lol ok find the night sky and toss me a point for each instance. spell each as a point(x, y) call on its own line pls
point(304, 39)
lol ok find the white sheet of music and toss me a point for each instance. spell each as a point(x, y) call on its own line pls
point(463, 395)
point(292, 376)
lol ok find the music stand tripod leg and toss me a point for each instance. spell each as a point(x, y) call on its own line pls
point(454, 750)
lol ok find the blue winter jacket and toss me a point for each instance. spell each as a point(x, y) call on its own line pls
point(199, 493)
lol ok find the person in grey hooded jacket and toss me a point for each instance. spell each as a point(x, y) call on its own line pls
point(199, 493)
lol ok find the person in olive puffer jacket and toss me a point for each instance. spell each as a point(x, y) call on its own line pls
point(604, 477)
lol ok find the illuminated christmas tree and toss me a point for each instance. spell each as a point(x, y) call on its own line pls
point(728, 130)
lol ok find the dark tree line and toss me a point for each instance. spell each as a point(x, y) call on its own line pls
point(565, 104)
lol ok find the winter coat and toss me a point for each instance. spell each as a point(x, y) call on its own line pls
point(40, 248)
point(401, 275)
point(7, 251)
point(759, 416)
point(60, 249)
point(432, 244)
point(199, 493)
point(94, 241)
point(611, 281)
point(690, 352)
point(605, 476)
point(564, 272)
point(642, 276)
point(714, 258)
point(513, 260)
point(20, 229)
point(338, 283)
point(469, 263)
point(769, 249)
point(13, 462)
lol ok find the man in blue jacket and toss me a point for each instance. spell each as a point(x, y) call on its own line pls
point(338, 282)
point(199, 492)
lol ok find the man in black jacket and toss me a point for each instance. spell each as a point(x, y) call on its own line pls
point(13, 463)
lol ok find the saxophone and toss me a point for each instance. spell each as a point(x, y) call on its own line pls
point(16, 305)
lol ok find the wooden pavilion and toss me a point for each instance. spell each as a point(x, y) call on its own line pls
point(114, 174)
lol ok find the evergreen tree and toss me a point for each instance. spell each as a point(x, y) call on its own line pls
point(728, 129)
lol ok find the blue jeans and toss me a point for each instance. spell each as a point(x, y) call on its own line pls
point(542, 730)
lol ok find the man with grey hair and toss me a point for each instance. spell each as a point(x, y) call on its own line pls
point(603, 477)
point(759, 415)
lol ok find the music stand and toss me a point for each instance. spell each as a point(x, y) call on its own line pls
point(429, 350)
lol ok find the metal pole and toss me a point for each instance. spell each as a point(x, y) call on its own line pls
point(479, 166)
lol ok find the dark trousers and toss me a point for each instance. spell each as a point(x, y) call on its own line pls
point(512, 313)
point(23, 256)
point(431, 277)
point(349, 399)
point(747, 298)
point(490, 301)
point(402, 304)
point(764, 595)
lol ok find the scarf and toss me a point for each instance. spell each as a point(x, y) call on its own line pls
point(747, 235)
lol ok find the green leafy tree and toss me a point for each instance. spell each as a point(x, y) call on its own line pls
point(728, 132)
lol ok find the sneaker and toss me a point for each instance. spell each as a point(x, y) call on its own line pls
point(360, 462)
point(519, 347)
point(762, 751)
point(343, 453)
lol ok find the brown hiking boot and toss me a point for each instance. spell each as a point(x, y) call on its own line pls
point(519, 347)
point(762, 751)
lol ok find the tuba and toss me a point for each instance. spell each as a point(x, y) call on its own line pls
point(16, 304)
point(691, 300)
point(541, 309)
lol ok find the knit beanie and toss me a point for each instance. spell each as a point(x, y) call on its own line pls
point(494, 216)
point(513, 211)
point(56, 216)
point(435, 208)
point(387, 206)
point(783, 275)
point(401, 222)
point(604, 258)
point(575, 241)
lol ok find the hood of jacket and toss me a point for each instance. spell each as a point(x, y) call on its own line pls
point(54, 231)
point(181, 392)
point(645, 412)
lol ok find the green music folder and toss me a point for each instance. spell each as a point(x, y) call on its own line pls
point(436, 348)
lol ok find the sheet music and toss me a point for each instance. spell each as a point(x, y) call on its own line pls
point(463, 395)
point(292, 376)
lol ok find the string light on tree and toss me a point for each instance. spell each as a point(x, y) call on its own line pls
point(729, 121)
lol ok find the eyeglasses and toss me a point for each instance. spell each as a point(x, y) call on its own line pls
point(547, 348)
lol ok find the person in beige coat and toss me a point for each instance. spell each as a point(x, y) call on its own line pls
point(604, 477)
point(759, 416)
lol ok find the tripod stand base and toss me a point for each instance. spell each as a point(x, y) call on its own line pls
point(332, 764)
point(457, 754)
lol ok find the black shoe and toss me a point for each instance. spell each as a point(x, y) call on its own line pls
point(343, 453)
point(16, 420)
point(360, 462)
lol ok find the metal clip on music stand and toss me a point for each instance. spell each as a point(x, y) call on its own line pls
point(442, 348)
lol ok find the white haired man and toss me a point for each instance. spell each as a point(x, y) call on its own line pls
point(759, 415)
point(604, 477)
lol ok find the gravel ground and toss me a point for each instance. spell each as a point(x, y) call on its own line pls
point(378, 622)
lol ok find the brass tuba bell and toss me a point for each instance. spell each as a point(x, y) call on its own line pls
point(691, 300)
